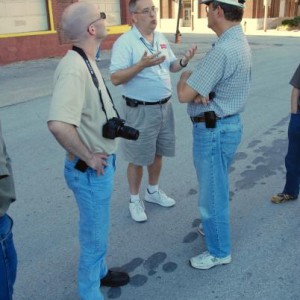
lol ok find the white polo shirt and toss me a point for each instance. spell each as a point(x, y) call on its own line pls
point(153, 83)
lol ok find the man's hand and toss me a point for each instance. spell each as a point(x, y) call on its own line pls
point(151, 60)
point(201, 100)
point(97, 162)
point(188, 55)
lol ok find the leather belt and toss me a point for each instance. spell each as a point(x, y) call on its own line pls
point(199, 119)
point(134, 102)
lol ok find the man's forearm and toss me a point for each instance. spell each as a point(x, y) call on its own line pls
point(178, 65)
point(185, 93)
point(123, 76)
point(67, 136)
point(294, 99)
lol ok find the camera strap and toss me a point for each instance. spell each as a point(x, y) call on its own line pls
point(95, 81)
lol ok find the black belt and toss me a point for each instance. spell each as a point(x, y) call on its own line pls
point(199, 119)
point(134, 102)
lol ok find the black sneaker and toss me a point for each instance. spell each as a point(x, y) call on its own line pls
point(115, 279)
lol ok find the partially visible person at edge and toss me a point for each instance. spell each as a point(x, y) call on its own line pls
point(76, 119)
point(8, 255)
point(216, 93)
point(292, 159)
point(141, 62)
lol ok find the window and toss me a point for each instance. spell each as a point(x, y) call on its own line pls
point(24, 16)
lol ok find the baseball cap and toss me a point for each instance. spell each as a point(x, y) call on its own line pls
point(239, 3)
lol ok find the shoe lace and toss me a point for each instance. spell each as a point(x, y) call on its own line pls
point(139, 206)
point(162, 194)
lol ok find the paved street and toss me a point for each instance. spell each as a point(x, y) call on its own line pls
point(265, 237)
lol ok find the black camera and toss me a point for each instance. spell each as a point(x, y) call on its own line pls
point(115, 128)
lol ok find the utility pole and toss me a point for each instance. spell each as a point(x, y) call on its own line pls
point(178, 34)
point(265, 14)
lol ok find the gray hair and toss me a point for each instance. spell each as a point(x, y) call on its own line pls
point(132, 5)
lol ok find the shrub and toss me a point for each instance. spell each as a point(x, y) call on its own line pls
point(292, 22)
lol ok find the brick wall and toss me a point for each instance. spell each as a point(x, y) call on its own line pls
point(13, 49)
point(20, 48)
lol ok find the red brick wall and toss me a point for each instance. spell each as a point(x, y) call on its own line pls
point(14, 49)
point(30, 47)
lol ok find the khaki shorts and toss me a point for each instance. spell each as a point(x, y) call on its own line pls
point(157, 133)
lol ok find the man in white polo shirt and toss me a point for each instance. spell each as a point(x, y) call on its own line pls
point(141, 63)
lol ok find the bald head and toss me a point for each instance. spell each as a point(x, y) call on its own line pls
point(76, 19)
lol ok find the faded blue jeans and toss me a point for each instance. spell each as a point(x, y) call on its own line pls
point(92, 194)
point(8, 258)
point(292, 159)
point(213, 150)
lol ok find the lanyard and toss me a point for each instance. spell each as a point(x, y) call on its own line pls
point(95, 80)
point(147, 46)
point(150, 49)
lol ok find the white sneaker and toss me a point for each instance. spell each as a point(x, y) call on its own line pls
point(137, 211)
point(206, 261)
point(200, 229)
point(160, 198)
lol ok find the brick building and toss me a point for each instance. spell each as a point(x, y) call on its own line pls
point(29, 29)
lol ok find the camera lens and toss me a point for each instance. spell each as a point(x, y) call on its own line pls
point(128, 133)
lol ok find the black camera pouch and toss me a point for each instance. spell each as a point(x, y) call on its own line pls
point(131, 103)
point(210, 119)
point(81, 166)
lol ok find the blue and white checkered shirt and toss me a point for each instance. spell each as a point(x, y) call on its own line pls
point(225, 70)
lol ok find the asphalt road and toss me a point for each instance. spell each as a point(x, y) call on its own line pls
point(265, 237)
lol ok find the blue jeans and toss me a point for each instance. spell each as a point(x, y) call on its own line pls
point(93, 194)
point(8, 258)
point(292, 159)
point(213, 150)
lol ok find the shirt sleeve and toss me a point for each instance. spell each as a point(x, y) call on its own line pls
point(295, 81)
point(121, 57)
point(68, 99)
point(3, 157)
point(208, 72)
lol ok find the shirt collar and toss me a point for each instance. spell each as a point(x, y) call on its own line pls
point(139, 36)
point(233, 31)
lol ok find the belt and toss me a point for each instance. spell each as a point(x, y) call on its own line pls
point(134, 102)
point(200, 119)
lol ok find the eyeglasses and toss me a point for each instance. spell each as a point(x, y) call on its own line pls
point(147, 11)
point(102, 17)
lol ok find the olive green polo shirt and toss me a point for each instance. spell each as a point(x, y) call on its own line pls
point(7, 189)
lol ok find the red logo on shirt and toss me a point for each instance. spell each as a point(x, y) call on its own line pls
point(163, 46)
